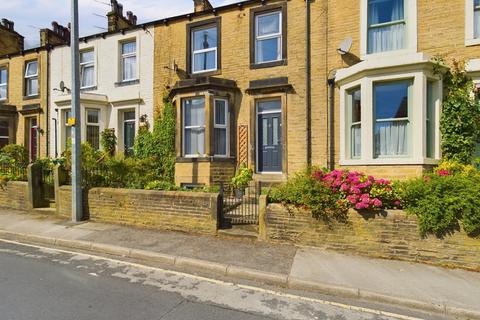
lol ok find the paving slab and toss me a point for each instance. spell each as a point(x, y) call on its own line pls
point(454, 288)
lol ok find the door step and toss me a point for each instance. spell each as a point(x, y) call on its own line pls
point(240, 231)
point(49, 211)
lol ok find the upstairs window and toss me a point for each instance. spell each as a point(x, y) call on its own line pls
point(3, 83)
point(268, 37)
point(87, 69)
point(31, 79)
point(129, 61)
point(93, 128)
point(386, 25)
point(204, 49)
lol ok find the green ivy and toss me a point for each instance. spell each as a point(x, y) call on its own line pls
point(108, 140)
point(460, 119)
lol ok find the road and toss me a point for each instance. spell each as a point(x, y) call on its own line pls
point(46, 284)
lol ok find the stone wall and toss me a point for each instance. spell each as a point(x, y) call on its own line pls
point(166, 210)
point(15, 196)
point(389, 235)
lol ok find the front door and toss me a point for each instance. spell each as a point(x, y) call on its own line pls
point(32, 138)
point(270, 142)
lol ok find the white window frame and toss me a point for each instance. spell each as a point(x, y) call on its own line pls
point(5, 84)
point(470, 9)
point(185, 128)
point(410, 19)
point(87, 65)
point(93, 124)
point(417, 116)
point(226, 127)
point(123, 56)
point(29, 78)
point(65, 116)
point(351, 124)
point(196, 52)
point(278, 36)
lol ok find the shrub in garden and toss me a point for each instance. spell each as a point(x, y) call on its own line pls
point(243, 177)
point(14, 154)
point(443, 202)
point(108, 141)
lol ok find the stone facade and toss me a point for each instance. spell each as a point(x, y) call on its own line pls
point(176, 211)
point(388, 235)
point(14, 195)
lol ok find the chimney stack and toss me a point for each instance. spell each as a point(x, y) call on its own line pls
point(58, 35)
point(10, 40)
point(116, 20)
point(202, 5)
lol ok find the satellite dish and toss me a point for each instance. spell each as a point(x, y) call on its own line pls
point(345, 46)
point(62, 86)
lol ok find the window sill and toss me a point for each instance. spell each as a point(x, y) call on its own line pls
point(206, 74)
point(282, 62)
point(92, 88)
point(384, 54)
point(472, 42)
point(388, 161)
point(31, 97)
point(127, 83)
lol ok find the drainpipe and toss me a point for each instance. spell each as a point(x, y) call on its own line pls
point(47, 111)
point(308, 93)
point(331, 119)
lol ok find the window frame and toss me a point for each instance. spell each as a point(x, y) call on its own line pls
point(10, 128)
point(470, 39)
point(123, 56)
point(350, 124)
point(203, 24)
point(88, 64)
point(196, 127)
point(93, 124)
point(4, 68)
point(66, 114)
point(277, 36)
point(29, 78)
point(263, 11)
point(225, 127)
point(410, 20)
point(195, 52)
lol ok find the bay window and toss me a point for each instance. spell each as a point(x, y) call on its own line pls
point(204, 49)
point(31, 79)
point(3, 83)
point(430, 120)
point(355, 122)
point(194, 127)
point(221, 128)
point(87, 69)
point(4, 132)
point(391, 105)
point(129, 60)
point(93, 128)
point(67, 128)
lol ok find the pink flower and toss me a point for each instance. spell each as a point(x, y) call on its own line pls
point(397, 203)
point(443, 173)
point(361, 205)
point(377, 203)
point(345, 187)
point(352, 199)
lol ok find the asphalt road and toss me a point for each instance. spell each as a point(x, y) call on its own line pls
point(44, 284)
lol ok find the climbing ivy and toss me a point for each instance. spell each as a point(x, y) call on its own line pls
point(460, 119)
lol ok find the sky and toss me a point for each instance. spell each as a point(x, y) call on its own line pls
point(31, 15)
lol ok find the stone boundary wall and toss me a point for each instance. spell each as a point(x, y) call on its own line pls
point(192, 212)
point(14, 195)
point(389, 235)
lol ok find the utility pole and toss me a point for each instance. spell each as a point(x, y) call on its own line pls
point(77, 203)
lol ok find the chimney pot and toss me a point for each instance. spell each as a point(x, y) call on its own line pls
point(202, 5)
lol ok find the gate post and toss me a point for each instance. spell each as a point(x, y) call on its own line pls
point(34, 175)
point(59, 179)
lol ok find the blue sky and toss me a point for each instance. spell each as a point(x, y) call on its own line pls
point(31, 15)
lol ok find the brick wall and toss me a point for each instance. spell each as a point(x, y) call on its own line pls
point(178, 211)
point(394, 235)
point(15, 196)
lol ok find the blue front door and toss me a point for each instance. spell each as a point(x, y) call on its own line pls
point(270, 142)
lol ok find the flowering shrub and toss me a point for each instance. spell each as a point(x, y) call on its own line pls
point(359, 191)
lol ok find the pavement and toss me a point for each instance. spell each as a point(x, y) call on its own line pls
point(454, 293)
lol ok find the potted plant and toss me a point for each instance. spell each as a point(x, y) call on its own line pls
point(241, 179)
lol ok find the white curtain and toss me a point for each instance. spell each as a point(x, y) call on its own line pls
point(391, 138)
point(195, 127)
point(130, 68)
point(195, 141)
point(386, 38)
point(476, 23)
point(356, 141)
point(88, 76)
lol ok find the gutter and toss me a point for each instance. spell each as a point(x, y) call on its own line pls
point(308, 91)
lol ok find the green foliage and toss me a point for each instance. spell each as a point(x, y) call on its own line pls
point(454, 167)
point(460, 120)
point(159, 145)
point(305, 192)
point(444, 203)
point(108, 141)
point(90, 156)
point(243, 177)
point(161, 185)
point(14, 154)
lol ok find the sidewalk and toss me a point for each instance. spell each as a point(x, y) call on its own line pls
point(454, 292)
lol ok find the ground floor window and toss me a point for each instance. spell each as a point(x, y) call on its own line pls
point(128, 132)
point(93, 128)
point(221, 128)
point(194, 127)
point(4, 132)
point(67, 128)
point(355, 122)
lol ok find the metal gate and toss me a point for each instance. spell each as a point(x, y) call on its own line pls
point(48, 186)
point(240, 205)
